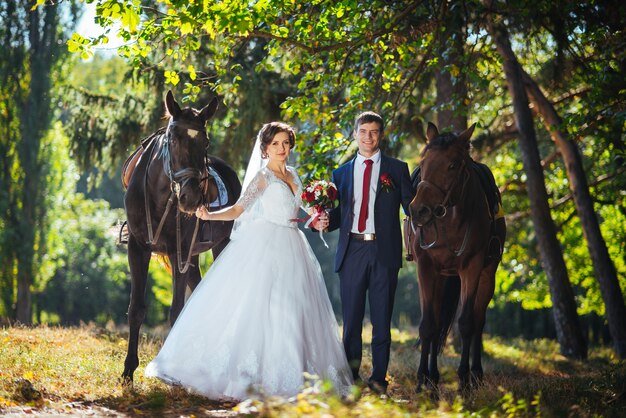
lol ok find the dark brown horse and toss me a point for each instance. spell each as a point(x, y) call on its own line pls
point(456, 235)
point(172, 176)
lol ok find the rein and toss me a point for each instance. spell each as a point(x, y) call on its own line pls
point(178, 179)
point(175, 187)
point(440, 211)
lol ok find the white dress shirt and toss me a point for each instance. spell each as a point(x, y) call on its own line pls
point(359, 169)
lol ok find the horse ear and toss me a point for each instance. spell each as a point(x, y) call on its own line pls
point(431, 132)
point(209, 110)
point(467, 134)
point(170, 104)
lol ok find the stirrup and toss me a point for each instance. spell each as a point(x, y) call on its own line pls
point(123, 233)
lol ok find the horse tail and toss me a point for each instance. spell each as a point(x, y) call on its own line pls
point(449, 305)
point(164, 261)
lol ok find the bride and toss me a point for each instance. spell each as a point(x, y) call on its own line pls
point(261, 318)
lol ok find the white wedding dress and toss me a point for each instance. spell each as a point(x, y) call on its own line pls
point(261, 316)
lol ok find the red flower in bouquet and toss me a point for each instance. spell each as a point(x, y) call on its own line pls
point(320, 195)
point(386, 183)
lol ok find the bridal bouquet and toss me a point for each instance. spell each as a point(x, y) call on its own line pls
point(319, 195)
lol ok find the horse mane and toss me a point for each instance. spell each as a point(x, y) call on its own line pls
point(164, 151)
point(148, 139)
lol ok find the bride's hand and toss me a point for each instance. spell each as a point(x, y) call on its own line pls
point(202, 213)
point(321, 223)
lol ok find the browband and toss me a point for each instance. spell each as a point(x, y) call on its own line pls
point(187, 125)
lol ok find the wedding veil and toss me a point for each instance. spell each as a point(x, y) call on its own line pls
point(255, 163)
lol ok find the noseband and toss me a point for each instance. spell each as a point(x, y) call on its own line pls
point(440, 210)
point(179, 179)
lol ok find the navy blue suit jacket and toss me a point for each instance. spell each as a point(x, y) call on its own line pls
point(386, 210)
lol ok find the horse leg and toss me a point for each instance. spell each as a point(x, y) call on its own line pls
point(486, 288)
point(138, 261)
point(469, 286)
point(222, 234)
point(439, 283)
point(179, 285)
point(466, 331)
point(192, 277)
point(426, 333)
point(219, 247)
point(427, 327)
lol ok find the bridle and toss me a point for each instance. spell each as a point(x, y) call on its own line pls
point(180, 178)
point(439, 211)
point(177, 182)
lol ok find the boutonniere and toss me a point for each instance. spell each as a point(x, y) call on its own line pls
point(386, 183)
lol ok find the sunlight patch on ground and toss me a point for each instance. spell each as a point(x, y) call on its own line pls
point(538, 355)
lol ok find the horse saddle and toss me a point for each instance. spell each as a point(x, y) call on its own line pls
point(131, 162)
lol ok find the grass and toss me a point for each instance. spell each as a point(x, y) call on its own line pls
point(75, 371)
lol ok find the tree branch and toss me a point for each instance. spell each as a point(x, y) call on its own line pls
point(389, 28)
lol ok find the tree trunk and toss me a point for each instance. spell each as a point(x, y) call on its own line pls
point(10, 60)
point(602, 264)
point(35, 119)
point(451, 80)
point(566, 319)
point(451, 87)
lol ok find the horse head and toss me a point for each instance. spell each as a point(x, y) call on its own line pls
point(444, 174)
point(185, 152)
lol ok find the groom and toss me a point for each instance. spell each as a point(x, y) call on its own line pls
point(372, 187)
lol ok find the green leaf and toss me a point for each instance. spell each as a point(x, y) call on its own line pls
point(130, 19)
point(192, 72)
point(171, 77)
point(186, 28)
point(39, 3)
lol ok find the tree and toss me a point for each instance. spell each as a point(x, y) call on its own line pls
point(32, 50)
point(451, 77)
point(603, 265)
point(564, 307)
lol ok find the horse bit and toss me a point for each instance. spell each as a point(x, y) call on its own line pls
point(175, 188)
point(440, 210)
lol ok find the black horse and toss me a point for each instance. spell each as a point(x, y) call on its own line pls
point(172, 175)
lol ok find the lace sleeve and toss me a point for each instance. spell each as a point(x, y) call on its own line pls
point(253, 191)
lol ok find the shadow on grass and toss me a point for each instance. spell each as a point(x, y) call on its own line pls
point(167, 402)
point(526, 369)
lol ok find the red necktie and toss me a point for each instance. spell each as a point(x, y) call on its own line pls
point(367, 174)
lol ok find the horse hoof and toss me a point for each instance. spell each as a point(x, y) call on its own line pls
point(434, 395)
point(476, 379)
point(432, 386)
point(465, 388)
point(126, 381)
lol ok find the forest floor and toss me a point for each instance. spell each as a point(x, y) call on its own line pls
point(53, 371)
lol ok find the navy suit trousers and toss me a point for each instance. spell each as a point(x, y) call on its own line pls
point(362, 275)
